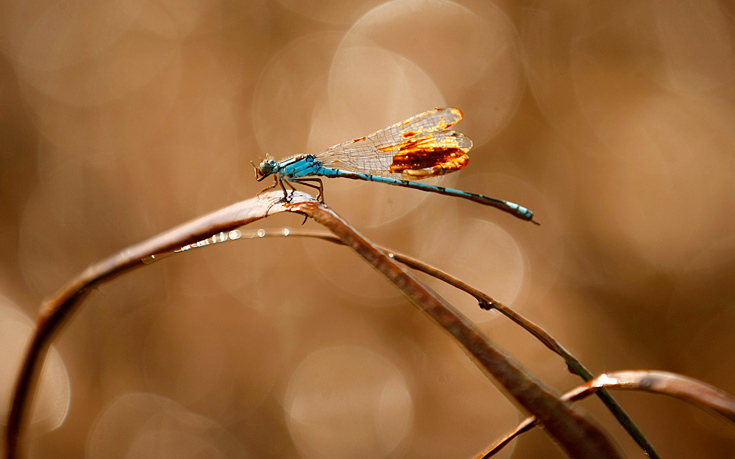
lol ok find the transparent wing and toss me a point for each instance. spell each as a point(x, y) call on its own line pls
point(416, 148)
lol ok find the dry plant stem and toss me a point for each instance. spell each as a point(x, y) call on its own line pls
point(665, 383)
point(58, 308)
point(578, 436)
point(659, 382)
point(487, 302)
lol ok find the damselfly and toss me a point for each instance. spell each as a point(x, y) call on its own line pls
point(417, 148)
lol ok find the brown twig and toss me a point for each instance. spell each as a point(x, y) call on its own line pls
point(56, 310)
point(487, 302)
point(659, 382)
point(577, 435)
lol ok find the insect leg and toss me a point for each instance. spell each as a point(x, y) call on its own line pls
point(320, 187)
point(287, 196)
point(275, 182)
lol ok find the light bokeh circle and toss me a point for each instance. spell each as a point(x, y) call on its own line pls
point(480, 253)
point(145, 425)
point(348, 402)
point(471, 58)
point(293, 81)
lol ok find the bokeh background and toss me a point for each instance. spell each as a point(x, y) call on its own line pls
point(614, 121)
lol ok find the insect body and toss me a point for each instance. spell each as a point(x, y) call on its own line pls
point(417, 148)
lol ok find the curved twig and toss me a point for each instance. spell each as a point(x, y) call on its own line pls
point(577, 435)
point(57, 309)
point(487, 302)
point(574, 432)
point(658, 382)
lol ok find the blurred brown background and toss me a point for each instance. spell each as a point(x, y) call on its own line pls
point(613, 121)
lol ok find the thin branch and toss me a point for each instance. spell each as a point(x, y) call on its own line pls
point(487, 302)
point(658, 382)
point(577, 435)
point(56, 310)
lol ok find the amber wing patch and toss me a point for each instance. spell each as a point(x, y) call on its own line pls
point(428, 156)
